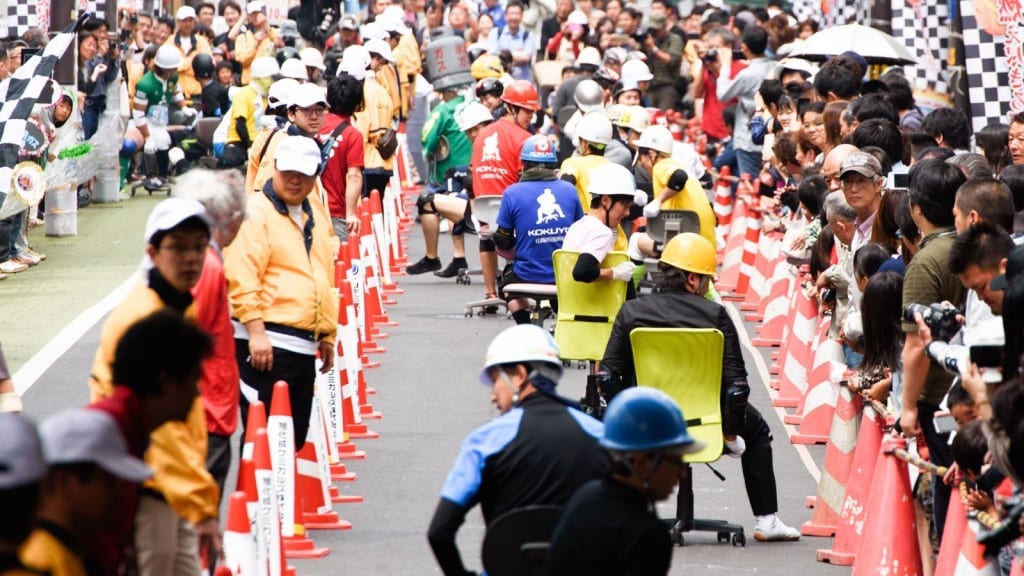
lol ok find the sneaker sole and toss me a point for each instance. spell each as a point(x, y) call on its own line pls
point(763, 538)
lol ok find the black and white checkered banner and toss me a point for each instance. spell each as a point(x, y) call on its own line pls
point(19, 93)
point(923, 25)
point(985, 63)
point(840, 12)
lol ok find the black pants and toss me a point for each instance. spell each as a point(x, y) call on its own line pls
point(940, 455)
point(298, 370)
point(218, 459)
point(6, 230)
point(376, 180)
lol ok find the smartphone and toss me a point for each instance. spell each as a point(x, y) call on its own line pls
point(945, 423)
point(898, 180)
point(987, 356)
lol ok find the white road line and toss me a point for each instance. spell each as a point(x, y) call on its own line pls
point(765, 377)
point(38, 364)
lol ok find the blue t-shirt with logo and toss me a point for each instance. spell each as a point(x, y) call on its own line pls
point(540, 212)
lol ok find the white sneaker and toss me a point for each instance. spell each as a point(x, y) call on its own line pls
point(12, 267)
point(771, 529)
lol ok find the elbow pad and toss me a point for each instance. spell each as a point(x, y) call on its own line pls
point(505, 242)
point(734, 408)
point(569, 178)
point(677, 181)
point(587, 269)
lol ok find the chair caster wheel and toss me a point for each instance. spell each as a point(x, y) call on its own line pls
point(723, 537)
point(566, 363)
point(469, 312)
point(739, 540)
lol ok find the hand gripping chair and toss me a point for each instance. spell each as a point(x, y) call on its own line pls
point(485, 209)
point(586, 312)
point(686, 364)
point(516, 543)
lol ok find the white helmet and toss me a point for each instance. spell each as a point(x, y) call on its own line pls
point(521, 343)
point(635, 118)
point(354, 62)
point(312, 58)
point(281, 91)
point(168, 57)
point(393, 20)
point(373, 31)
point(635, 71)
point(589, 96)
point(295, 69)
point(589, 56)
point(380, 48)
point(472, 114)
point(595, 127)
point(611, 179)
point(264, 67)
point(656, 138)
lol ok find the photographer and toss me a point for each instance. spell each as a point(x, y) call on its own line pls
point(134, 28)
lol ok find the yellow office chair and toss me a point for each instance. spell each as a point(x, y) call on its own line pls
point(686, 364)
point(586, 312)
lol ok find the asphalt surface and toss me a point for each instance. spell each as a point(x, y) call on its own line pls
point(428, 392)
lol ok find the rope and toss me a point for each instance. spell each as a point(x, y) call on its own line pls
point(919, 462)
point(987, 520)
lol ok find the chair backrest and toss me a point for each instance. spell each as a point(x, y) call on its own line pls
point(516, 542)
point(662, 228)
point(586, 311)
point(205, 127)
point(686, 364)
point(485, 209)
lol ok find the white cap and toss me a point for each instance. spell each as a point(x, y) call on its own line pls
point(307, 95)
point(590, 56)
point(295, 69)
point(380, 48)
point(298, 154)
point(281, 91)
point(393, 20)
point(577, 17)
point(354, 61)
point(84, 435)
point(312, 58)
point(21, 454)
point(635, 71)
point(264, 67)
point(373, 31)
point(170, 213)
point(184, 13)
point(253, 7)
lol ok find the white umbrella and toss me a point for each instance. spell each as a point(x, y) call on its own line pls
point(875, 46)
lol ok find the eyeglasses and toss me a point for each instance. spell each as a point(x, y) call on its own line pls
point(180, 249)
point(313, 111)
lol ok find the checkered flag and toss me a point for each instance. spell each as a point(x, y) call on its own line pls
point(19, 93)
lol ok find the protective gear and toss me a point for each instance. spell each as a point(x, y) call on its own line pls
point(286, 53)
point(589, 56)
point(489, 87)
point(373, 31)
point(614, 112)
point(522, 94)
point(635, 71)
point(616, 55)
point(380, 48)
point(425, 204)
point(595, 128)
point(280, 91)
point(475, 51)
point(524, 343)
point(294, 69)
point(690, 252)
point(312, 58)
point(589, 96)
point(471, 115)
point(643, 420)
point(653, 209)
point(606, 76)
point(736, 447)
point(611, 180)
point(486, 66)
point(677, 181)
point(623, 271)
point(168, 57)
point(264, 67)
point(656, 138)
point(354, 62)
point(635, 118)
point(202, 66)
point(128, 147)
point(622, 87)
point(539, 149)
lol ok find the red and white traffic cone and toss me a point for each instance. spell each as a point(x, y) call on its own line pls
point(814, 415)
point(750, 243)
point(270, 548)
point(795, 364)
point(842, 441)
point(239, 541)
point(723, 206)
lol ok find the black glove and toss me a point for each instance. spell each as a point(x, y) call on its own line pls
point(734, 410)
point(678, 180)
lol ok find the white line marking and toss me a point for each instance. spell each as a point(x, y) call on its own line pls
point(38, 364)
point(765, 377)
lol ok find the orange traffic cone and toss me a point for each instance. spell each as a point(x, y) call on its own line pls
point(384, 240)
point(325, 472)
point(723, 206)
point(270, 549)
point(310, 485)
point(256, 418)
point(239, 543)
point(733, 256)
point(355, 385)
point(952, 536)
point(842, 441)
point(751, 239)
point(972, 560)
point(768, 255)
point(890, 535)
point(796, 362)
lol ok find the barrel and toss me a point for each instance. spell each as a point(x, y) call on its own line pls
point(447, 63)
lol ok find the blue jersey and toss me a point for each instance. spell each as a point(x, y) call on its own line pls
point(540, 212)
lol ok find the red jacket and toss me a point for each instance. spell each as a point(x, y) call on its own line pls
point(220, 381)
point(496, 161)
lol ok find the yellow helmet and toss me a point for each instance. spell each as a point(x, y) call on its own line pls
point(635, 118)
point(487, 66)
point(690, 252)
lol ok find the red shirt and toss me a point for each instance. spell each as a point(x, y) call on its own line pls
point(346, 152)
point(496, 162)
point(711, 118)
point(219, 384)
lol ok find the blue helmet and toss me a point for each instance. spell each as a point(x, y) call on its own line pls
point(539, 149)
point(645, 419)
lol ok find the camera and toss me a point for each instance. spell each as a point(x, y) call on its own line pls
point(952, 357)
point(940, 319)
point(711, 55)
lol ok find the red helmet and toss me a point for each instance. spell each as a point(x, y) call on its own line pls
point(522, 94)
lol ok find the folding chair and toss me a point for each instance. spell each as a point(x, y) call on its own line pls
point(516, 543)
point(586, 312)
point(686, 363)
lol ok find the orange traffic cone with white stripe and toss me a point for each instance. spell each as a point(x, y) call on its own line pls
point(723, 206)
point(354, 387)
point(320, 442)
point(796, 362)
point(952, 536)
point(842, 441)
point(255, 418)
point(311, 482)
point(822, 391)
point(383, 235)
point(733, 255)
point(239, 542)
point(265, 515)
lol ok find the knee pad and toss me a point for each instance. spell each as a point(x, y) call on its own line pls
point(128, 147)
point(486, 245)
point(425, 203)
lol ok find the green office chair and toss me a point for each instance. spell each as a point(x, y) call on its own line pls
point(686, 364)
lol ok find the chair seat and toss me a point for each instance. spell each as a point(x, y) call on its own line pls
point(529, 289)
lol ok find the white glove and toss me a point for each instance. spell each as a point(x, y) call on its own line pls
point(653, 209)
point(150, 147)
point(736, 447)
point(623, 272)
point(640, 198)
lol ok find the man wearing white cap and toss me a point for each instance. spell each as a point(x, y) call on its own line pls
point(188, 43)
point(23, 469)
point(280, 271)
point(374, 120)
point(259, 39)
point(406, 51)
point(87, 459)
point(382, 62)
point(313, 60)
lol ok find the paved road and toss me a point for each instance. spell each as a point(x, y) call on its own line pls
point(430, 398)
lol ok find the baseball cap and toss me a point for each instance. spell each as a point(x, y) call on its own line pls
point(21, 453)
point(354, 61)
point(312, 58)
point(307, 95)
point(1014, 267)
point(184, 13)
point(393, 20)
point(84, 435)
point(295, 69)
point(170, 213)
point(656, 20)
point(349, 23)
point(253, 7)
point(862, 163)
point(373, 31)
point(280, 92)
point(298, 154)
